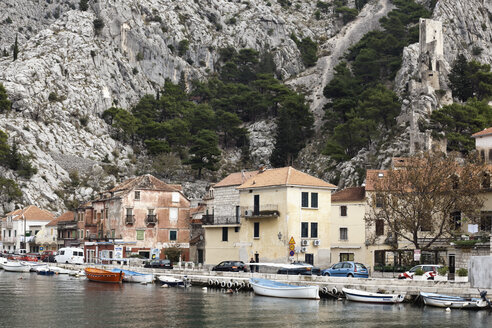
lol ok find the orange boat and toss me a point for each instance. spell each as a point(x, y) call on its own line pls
point(100, 275)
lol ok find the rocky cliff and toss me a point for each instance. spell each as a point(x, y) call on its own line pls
point(68, 72)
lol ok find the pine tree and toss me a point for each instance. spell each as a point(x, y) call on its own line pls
point(16, 48)
point(5, 104)
point(84, 5)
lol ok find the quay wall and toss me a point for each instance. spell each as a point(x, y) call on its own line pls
point(480, 271)
point(386, 285)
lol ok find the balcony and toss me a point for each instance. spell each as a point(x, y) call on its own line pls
point(264, 211)
point(151, 219)
point(9, 225)
point(224, 219)
point(10, 240)
point(129, 219)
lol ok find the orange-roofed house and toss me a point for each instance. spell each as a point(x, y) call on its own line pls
point(20, 227)
point(140, 216)
point(279, 210)
point(347, 223)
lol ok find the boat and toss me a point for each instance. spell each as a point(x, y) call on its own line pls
point(15, 267)
point(456, 302)
point(171, 281)
point(272, 288)
point(59, 270)
point(133, 276)
point(367, 297)
point(45, 271)
point(100, 275)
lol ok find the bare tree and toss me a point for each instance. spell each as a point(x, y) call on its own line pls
point(427, 197)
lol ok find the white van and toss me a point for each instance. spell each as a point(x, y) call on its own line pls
point(70, 255)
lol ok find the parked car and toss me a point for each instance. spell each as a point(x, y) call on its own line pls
point(347, 269)
point(30, 257)
point(159, 264)
point(302, 268)
point(49, 258)
point(47, 254)
point(234, 266)
point(430, 271)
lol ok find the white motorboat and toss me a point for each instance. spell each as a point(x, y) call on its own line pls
point(455, 302)
point(15, 267)
point(272, 288)
point(133, 276)
point(59, 270)
point(367, 297)
point(170, 281)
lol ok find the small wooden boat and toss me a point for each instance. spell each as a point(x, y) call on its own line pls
point(59, 270)
point(367, 297)
point(171, 281)
point(272, 288)
point(100, 275)
point(133, 276)
point(15, 267)
point(456, 302)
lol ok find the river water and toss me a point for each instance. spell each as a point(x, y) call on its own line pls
point(30, 300)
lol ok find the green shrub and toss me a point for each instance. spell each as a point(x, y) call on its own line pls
point(183, 47)
point(98, 25)
point(462, 272)
point(442, 271)
point(419, 272)
point(83, 5)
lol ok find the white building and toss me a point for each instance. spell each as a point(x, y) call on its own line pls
point(20, 227)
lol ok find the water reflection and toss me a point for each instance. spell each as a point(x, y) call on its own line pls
point(62, 301)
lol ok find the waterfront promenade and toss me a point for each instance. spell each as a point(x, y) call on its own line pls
point(387, 285)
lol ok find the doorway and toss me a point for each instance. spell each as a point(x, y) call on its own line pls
point(309, 258)
point(452, 266)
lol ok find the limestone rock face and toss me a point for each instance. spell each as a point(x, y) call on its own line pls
point(67, 73)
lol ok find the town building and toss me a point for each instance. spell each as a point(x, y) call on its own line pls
point(141, 216)
point(347, 225)
point(283, 215)
point(20, 227)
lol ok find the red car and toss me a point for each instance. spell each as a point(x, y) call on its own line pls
point(31, 257)
point(47, 254)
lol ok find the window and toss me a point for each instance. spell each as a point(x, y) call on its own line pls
point(15, 233)
point(150, 211)
point(87, 234)
point(379, 200)
point(426, 225)
point(486, 181)
point(343, 234)
point(173, 214)
point(137, 195)
point(343, 210)
point(314, 230)
point(225, 233)
point(113, 233)
point(314, 200)
point(304, 229)
point(129, 211)
point(140, 234)
point(379, 227)
point(106, 213)
point(346, 257)
point(486, 223)
point(305, 199)
point(175, 197)
point(456, 220)
point(490, 155)
point(256, 230)
point(173, 235)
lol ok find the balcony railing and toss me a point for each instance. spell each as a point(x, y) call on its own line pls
point(9, 225)
point(151, 219)
point(223, 219)
point(130, 219)
point(9, 239)
point(263, 211)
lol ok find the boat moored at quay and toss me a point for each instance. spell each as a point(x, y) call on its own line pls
point(100, 275)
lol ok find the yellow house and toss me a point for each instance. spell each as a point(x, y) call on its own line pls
point(284, 216)
point(347, 225)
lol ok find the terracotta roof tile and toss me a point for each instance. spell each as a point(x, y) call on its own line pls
point(144, 182)
point(372, 176)
point(349, 195)
point(65, 217)
point(482, 133)
point(235, 179)
point(31, 213)
point(282, 177)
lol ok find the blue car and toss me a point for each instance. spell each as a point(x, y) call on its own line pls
point(347, 269)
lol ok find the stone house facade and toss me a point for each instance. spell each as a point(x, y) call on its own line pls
point(141, 216)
